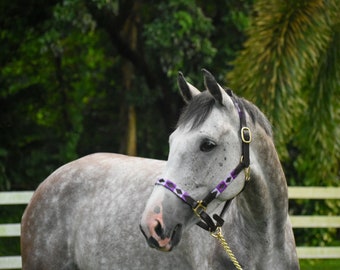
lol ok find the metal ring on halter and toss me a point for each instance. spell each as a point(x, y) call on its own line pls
point(199, 208)
point(243, 130)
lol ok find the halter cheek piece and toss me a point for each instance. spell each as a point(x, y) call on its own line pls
point(200, 207)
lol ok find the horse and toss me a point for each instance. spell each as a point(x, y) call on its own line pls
point(110, 211)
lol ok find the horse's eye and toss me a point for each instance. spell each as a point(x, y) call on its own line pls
point(207, 145)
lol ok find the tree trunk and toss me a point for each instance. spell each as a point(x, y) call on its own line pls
point(129, 33)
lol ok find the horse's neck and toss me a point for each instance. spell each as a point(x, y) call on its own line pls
point(264, 201)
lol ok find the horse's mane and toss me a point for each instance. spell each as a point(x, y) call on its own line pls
point(200, 107)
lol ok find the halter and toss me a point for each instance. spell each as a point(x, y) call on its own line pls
point(199, 207)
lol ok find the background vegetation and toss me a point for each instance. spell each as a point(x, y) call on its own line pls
point(79, 76)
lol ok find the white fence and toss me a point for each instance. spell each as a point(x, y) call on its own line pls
point(23, 197)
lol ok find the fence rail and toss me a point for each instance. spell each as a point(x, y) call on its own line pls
point(23, 197)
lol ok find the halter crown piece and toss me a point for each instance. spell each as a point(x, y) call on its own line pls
point(199, 207)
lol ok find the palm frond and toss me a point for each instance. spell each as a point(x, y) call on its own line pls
point(285, 40)
point(320, 130)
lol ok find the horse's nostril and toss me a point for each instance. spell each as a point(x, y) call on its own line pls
point(153, 242)
point(159, 230)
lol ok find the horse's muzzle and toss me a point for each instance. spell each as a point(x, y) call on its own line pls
point(160, 241)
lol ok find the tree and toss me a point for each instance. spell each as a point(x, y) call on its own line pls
point(74, 73)
point(47, 79)
point(290, 68)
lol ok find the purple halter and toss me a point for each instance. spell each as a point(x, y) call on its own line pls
point(199, 206)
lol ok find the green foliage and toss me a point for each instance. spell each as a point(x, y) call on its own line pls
point(179, 36)
point(10, 246)
point(281, 48)
point(44, 91)
point(319, 264)
point(292, 59)
point(320, 121)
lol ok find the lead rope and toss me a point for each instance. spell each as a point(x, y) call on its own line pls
point(219, 236)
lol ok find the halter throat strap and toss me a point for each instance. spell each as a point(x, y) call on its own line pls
point(199, 207)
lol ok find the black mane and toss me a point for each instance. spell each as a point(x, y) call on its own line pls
point(201, 106)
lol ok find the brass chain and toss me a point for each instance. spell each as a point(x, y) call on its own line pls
point(218, 234)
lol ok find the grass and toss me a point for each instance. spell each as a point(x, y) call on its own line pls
point(324, 264)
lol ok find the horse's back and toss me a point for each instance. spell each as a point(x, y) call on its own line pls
point(86, 215)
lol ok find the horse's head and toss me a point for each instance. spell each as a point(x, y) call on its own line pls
point(204, 149)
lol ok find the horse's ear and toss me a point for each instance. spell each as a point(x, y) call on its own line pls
point(188, 91)
point(215, 89)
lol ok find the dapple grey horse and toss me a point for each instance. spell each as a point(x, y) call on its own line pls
point(88, 213)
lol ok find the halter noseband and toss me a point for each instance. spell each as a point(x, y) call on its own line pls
point(200, 207)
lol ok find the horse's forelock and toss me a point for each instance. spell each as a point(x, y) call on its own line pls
point(197, 111)
point(200, 107)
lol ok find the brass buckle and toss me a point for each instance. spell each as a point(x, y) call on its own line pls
point(199, 208)
point(247, 173)
point(243, 130)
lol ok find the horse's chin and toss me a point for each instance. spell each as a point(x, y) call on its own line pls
point(174, 240)
point(176, 236)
